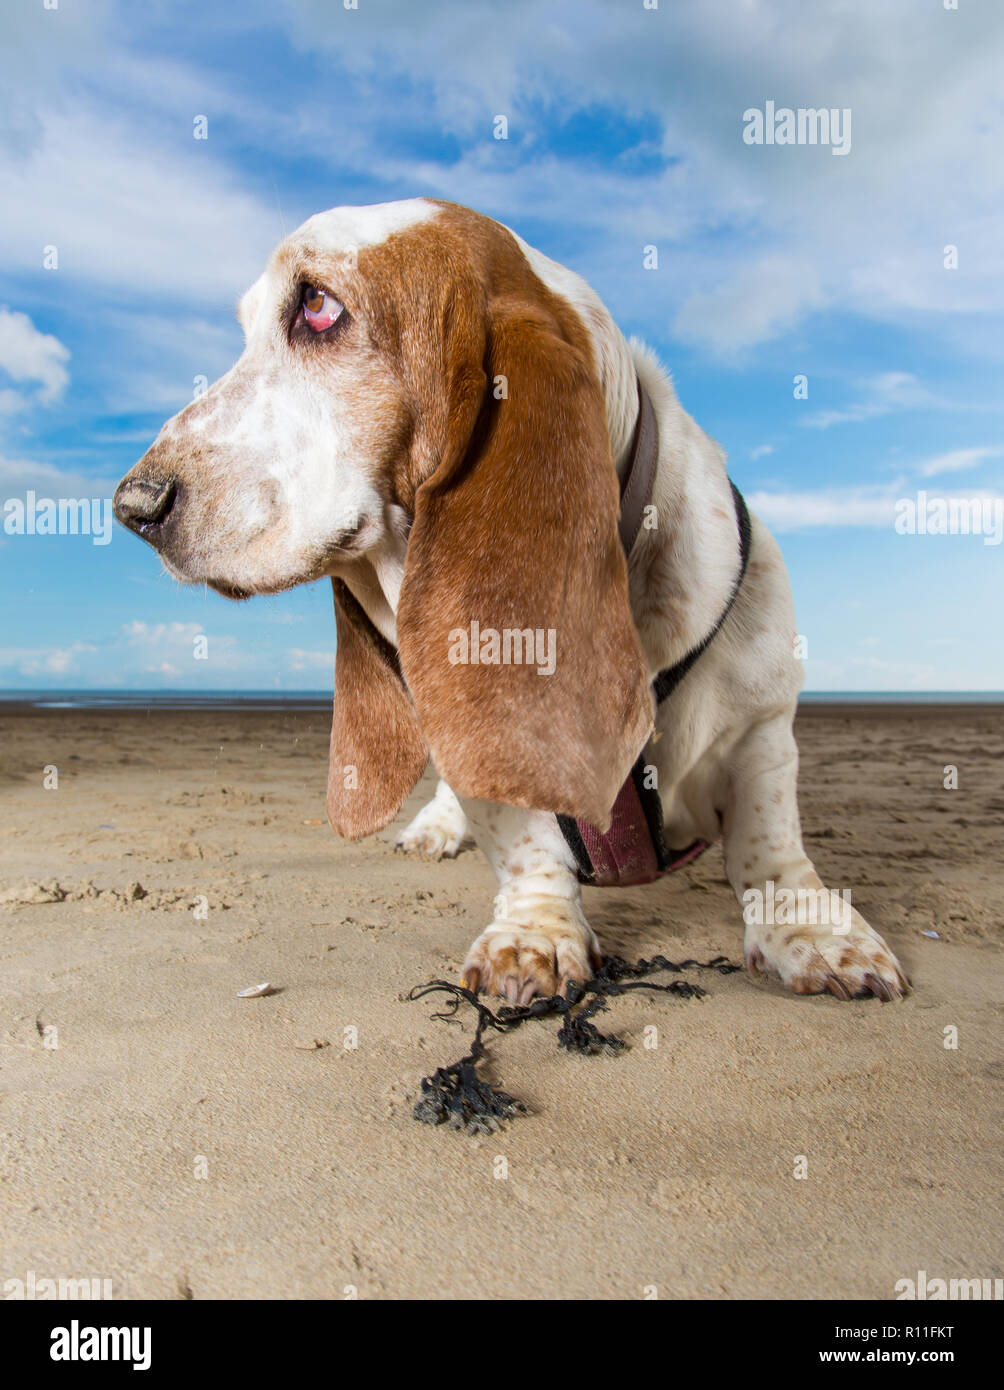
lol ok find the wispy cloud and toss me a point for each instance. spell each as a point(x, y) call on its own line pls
point(882, 395)
point(125, 209)
point(301, 660)
point(759, 302)
point(18, 475)
point(956, 460)
point(45, 661)
point(849, 506)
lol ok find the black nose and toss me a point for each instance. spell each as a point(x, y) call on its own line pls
point(143, 503)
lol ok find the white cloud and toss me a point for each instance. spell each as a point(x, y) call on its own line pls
point(873, 506)
point(137, 651)
point(758, 302)
point(44, 661)
point(132, 210)
point(852, 506)
point(48, 480)
point(158, 633)
point(761, 451)
point(957, 459)
point(881, 395)
point(11, 401)
point(99, 160)
point(300, 660)
point(27, 355)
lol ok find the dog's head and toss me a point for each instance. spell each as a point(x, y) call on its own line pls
point(405, 369)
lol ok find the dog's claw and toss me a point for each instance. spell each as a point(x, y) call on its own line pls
point(755, 961)
point(880, 988)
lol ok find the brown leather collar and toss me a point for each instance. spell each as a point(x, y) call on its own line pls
point(636, 485)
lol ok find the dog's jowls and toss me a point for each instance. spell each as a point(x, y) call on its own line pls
point(435, 415)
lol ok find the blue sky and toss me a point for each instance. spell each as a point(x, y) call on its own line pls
point(625, 131)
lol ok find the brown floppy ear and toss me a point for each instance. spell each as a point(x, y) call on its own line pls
point(516, 533)
point(377, 750)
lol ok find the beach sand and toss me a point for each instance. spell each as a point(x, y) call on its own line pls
point(162, 1133)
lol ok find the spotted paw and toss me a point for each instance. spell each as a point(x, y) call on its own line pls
point(437, 832)
point(519, 962)
point(817, 960)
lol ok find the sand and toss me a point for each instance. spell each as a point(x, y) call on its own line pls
point(162, 1133)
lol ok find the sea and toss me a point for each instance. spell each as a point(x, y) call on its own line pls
point(321, 699)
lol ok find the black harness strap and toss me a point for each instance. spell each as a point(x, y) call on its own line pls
point(667, 681)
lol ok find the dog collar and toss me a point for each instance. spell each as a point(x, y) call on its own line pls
point(637, 483)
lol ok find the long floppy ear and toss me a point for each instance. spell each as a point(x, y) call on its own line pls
point(377, 750)
point(514, 625)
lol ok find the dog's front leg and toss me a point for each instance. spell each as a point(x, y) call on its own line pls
point(439, 829)
point(814, 939)
point(539, 939)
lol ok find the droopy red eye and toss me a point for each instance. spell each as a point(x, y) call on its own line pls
point(319, 309)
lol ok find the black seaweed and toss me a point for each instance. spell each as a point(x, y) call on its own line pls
point(456, 1095)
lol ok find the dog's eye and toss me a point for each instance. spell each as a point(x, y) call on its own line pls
point(319, 309)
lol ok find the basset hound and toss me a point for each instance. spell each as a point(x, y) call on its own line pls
point(441, 420)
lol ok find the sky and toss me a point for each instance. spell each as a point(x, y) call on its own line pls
point(773, 263)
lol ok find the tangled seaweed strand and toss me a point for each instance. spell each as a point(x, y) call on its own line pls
point(456, 1095)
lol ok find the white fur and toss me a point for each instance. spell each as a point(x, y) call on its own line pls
point(347, 227)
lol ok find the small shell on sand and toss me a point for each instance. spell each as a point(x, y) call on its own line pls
point(255, 991)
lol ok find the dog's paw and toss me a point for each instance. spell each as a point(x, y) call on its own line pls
point(816, 960)
point(438, 831)
point(517, 961)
